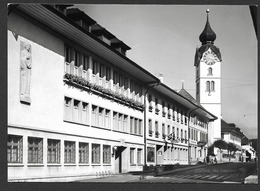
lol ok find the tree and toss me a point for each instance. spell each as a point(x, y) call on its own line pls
point(231, 147)
point(220, 144)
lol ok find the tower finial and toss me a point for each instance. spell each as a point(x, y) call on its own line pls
point(207, 11)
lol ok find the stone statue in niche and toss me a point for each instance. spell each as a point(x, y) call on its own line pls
point(25, 71)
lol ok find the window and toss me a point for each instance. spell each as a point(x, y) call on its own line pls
point(131, 125)
point(139, 156)
point(35, 150)
point(108, 74)
point(69, 152)
point(15, 149)
point(76, 111)
point(140, 127)
point(163, 129)
point(156, 126)
point(106, 154)
point(207, 86)
point(95, 153)
point(132, 151)
point(115, 78)
point(197, 87)
point(150, 154)
point(173, 113)
point(177, 132)
point(94, 116)
point(86, 63)
point(120, 121)
point(209, 71)
point(150, 125)
point(212, 87)
point(107, 117)
point(67, 109)
point(101, 116)
point(125, 82)
point(84, 113)
point(168, 130)
point(95, 67)
point(84, 153)
point(53, 151)
point(136, 126)
point(156, 102)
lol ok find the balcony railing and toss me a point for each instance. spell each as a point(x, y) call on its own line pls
point(83, 78)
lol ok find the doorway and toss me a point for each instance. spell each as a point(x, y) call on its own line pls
point(118, 159)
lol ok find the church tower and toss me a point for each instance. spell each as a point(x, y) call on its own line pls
point(208, 79)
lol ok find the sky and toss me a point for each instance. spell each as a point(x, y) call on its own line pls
point(163, 40)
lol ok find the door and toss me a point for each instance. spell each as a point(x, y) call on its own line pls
point(118, 159)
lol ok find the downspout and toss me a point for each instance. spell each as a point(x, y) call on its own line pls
point(145, 116)
point(189, 134)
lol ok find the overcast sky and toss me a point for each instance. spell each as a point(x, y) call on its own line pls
point(164, 38)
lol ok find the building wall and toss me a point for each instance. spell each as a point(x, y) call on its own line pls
point(167, 116)
point(44, 116)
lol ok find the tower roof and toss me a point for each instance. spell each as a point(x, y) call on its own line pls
point(207, 35)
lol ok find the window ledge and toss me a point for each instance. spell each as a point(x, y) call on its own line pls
point(82, 164)
point(132, 164)
point(107, 165)
point(95, 164)
point(35, 165)
point(53, 164)
point(15, 164)
point(70, 164)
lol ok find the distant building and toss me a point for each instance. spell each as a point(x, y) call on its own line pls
point(232, 134)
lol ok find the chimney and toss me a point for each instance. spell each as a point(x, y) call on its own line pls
point(182, 84)
point(161, 77)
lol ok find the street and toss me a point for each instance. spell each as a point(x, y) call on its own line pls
point(217, 173)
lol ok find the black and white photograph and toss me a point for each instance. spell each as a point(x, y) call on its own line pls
point(132, 93)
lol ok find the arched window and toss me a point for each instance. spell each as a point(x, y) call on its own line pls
point(209, 71)
point(212, 86)
point(207, 86)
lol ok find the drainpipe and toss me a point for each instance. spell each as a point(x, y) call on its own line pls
point(145, 116)
point(189, 134)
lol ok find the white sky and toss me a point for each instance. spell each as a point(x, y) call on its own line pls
point(164, 38)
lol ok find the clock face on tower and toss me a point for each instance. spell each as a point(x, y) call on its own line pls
point(209, 58)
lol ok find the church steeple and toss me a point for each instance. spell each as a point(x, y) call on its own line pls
point(207, 35)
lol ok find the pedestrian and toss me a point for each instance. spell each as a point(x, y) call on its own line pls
point(215, 160)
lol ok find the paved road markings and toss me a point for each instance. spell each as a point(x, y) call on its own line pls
point(213, 177)
point(227, 177)
point(220, 177)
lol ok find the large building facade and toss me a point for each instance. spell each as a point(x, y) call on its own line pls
point(77, 106)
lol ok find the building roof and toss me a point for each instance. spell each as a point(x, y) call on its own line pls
point(187, 95)
point(231, 128)
point(76, 14)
